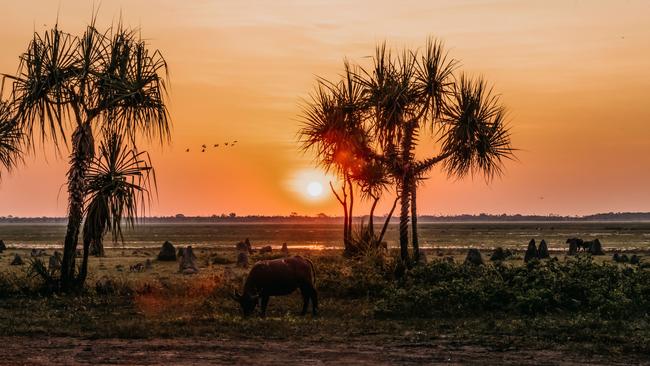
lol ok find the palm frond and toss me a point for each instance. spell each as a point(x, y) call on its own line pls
point(44, 87)
point(11, 138)
point(119, 183)
point(132, 84)
point(476, 135)
point(434, 79)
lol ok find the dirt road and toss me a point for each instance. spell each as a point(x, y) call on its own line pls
point(202, 351)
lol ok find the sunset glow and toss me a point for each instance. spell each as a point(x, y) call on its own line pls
point(311, 185)
point(574, 76)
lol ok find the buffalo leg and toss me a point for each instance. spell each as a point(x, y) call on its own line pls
point(304, 291)
point(309, 293)
point(265, 303)
point(314, 302)
point(305, 304)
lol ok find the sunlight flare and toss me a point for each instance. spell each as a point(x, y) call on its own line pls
point(312, 185)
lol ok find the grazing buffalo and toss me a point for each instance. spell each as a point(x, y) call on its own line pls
point(577, 243)
point(593, 246)
point(279, 277)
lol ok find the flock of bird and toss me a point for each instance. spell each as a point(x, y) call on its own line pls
point(204, 146)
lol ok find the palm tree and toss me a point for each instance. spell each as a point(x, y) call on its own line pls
point(406, 93)
point(117, 187)
point(10, 138)
point(107, 80)
point(402, 95)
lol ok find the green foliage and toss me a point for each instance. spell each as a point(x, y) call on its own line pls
point(13, 284)
point(573, 286)
point(367, 276)
point(364, 242)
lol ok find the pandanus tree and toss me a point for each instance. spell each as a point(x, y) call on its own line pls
point(10, 138)
point(118, 185)
point(100, 80)
point(416, 91)
point(335, 128)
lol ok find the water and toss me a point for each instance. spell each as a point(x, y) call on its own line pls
point(622, 235)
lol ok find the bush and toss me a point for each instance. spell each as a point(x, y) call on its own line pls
point(576, 285)
point(366, 276)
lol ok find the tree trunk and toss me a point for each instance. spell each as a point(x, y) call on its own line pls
point(83, 271)
point(371, 220)
point(82, 153)
point(405, 189)
point(390, 215)
point(97, 248)
point(350, 216)
point(414, 223)
point(404, 224)
point(344, 202)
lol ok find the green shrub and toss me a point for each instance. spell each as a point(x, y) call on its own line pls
point(367, 276)
point(576, 285)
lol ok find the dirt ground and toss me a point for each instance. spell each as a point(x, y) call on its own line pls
point(202, 351)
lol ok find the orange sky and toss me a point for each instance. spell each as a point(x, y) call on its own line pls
point(575, 76)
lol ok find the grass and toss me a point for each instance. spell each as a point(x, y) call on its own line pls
point(368, 299)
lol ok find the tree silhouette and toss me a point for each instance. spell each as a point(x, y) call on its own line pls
point(99, 80)
point(395, 99)
point(117, 187)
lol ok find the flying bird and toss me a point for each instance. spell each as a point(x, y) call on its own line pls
point(188, 150)
point(226, 144)
point(216, 145)
point(203, 150)
point(203, 146)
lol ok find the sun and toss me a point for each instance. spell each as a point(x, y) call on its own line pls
point(315, 189)
point(310, 184)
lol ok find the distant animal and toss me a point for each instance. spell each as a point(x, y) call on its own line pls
point(278, 277)
point(578, 243)
point(216, 145)
point(203, 150)
point(593, 246)
point(203, 146)
point(225, 143)
point(234, 142)
point(187, 150)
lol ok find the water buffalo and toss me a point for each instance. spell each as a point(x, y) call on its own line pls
point(577, 243)
point(279, 277)
point(593, 246)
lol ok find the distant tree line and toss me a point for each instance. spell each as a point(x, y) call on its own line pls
point(611, 216)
